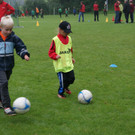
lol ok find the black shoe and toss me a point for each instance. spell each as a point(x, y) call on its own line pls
point(9, 111)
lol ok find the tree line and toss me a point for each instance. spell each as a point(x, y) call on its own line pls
point(50, 5)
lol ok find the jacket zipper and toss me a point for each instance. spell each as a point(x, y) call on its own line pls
point(5, 54)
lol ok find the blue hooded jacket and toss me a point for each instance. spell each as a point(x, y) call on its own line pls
point(7, 51)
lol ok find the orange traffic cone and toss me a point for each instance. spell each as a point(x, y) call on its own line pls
point(37, 23)
point(113, 19)
point(106, 19)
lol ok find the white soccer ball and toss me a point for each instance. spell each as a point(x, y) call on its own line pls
point(85, 96)
point(21, 105)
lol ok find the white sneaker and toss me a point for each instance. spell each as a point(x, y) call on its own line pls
point(10, 112)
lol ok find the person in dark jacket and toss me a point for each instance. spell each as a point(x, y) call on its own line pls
point(8, 41)
point(131, 10)
point(126, 10)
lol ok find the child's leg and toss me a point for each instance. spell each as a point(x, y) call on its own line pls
point(61, 87)
point(4, 94)
point(68, 78)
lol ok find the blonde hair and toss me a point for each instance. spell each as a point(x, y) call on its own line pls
point(6, 21)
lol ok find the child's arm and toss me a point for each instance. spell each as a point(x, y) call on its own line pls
point(73, 60)
point(26, 57)
point(21, 49)
point(52, 54)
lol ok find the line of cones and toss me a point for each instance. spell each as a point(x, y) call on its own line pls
point(37, 24)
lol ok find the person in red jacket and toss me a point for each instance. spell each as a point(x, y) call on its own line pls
point(5, 9)
point(117, 11)
point(96, 13)
point(81, 13)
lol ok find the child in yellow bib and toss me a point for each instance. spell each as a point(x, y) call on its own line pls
point(61, 52)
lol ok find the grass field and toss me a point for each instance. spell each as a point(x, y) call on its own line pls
point(96, 46)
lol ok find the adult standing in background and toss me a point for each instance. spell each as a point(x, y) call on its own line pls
point(96, 13)
point(117, 11)
point(5, 9)
point(81, 13)
point(126, 10)
point(131, 10)
point(121, 10)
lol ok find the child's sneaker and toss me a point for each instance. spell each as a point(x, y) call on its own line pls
point(62, 96)
point(68, 91)
point(1, 106)
point(9, 111)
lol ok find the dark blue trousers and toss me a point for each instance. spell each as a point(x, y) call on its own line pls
point(116, 17)
point(132, 17)
point(81, 14)
point(65, 79)
point(4, 94)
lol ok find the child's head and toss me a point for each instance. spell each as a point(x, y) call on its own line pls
point(65, 28)
point(6, 25)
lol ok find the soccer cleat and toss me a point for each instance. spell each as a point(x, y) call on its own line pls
point(1, 106)
point(62, 96)
point(9, 111)
point(68, 91)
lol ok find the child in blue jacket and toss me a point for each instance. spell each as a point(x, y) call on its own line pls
point(8, 41)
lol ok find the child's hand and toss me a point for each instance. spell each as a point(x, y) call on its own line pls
point(57, 57)
point(26, 58)
point(73, 60)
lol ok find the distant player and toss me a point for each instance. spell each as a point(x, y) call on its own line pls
point(74, 11)
point(60, 12)
point(132, 6)
point(117, 11)
point(126, 10)
point(33, 14)
point(96, 11)
point(82, 11)
point(37, 12)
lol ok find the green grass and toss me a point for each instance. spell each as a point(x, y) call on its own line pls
point(96, 46)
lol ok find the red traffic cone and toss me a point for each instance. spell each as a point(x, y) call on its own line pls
point(113, 19)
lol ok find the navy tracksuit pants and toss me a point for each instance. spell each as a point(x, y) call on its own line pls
point(65, 79)
point(4, 94)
